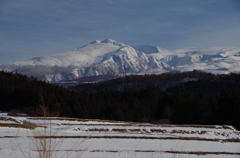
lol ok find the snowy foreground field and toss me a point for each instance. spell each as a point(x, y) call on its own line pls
point(68, 137)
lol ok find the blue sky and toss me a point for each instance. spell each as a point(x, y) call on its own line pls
point(32, 28)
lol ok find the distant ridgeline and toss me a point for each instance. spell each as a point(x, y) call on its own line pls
point(183, 98)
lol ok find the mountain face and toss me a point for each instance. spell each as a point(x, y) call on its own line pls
point(109, 57)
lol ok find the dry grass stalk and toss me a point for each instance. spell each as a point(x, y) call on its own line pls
point(45, 145)
point(44, 142)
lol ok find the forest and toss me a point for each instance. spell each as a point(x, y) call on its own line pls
point(183, 98)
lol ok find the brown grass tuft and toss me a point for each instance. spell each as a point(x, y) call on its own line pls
point(27, 126)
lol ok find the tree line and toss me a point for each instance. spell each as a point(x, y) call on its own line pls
point(211, 99)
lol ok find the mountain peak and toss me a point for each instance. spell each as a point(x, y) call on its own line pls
point(95, 41)
point(112, 42)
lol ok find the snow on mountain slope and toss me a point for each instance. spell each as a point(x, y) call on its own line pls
point(153, 51)
point(211, 59)
point(83, 56)
point(133, 60)
point(147, 49)
point(69, 65)
point(111, 57)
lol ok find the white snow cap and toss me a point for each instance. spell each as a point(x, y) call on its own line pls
point(95, 41)
point(110, 41)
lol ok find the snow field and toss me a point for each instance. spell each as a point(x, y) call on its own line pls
point(101, 139)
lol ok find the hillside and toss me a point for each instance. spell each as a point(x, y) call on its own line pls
point(138, 82)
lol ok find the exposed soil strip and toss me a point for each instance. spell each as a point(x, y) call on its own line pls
point(142, 130)
point(201, 153)
point(160, 151)
point(154, 131)
point(10, 137)
point(122, 123)
point(20, 126)
point(131, 137)
point(8, 119)
point(82, 124)
point(140, 125)
point(191, 152)
point(138, 137)
point(83, 120)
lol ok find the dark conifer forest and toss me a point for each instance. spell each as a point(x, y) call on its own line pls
point(183, 98)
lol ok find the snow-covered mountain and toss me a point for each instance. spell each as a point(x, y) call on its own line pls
point(112, 57)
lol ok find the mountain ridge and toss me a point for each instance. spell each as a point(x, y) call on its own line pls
point(110, 57)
